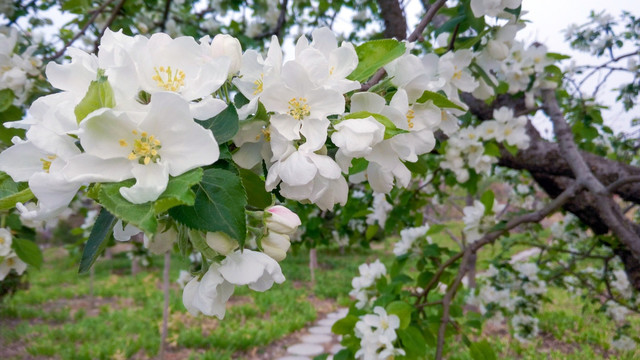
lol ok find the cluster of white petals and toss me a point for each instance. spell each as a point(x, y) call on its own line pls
point(407, 243)
point(377, 332)
point(209, 295)
point(9, 260)
point(363, 284)
point(16, 70)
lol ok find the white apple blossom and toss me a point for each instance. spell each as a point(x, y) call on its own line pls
point(5, 242)
point(208, 295)
point(379, 210)
point(492, 7)
point(408, 237)
point(377, 332)
point(276, 245)
point(148, 147)
point(11, 262)
point(356, 137)
point(252, 268)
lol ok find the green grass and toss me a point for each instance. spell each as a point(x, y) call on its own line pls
point(53, 317)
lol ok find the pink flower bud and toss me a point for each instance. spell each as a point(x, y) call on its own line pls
point(282, 220)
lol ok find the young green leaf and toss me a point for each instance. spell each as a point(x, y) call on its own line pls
point(224, 126)
point(28, 251)
point(97, 239)
point(219, 205)
point(439, 100)
point(99, 95)
point(373, 55)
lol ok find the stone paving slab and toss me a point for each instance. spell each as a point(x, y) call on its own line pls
point(306, 349)
point(320, 330)
point(294, 358)
point(317, 339)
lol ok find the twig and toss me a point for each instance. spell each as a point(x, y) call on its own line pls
point(620, 182)
point(279, 25)
point(93, 17)
point(616, 59)
point(165, 15)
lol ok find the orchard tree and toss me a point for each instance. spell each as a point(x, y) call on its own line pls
point(185, 123)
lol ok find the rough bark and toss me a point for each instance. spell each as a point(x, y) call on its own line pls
point(395, 25)
point(549, 169)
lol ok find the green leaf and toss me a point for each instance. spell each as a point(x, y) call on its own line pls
point(436, 228)
point(439, 100)
point(97, 239)
point(482, 351)
point(413, 342)
point(99, 95)
point(487, 199)
point(28, 251)
point(358, 165)
point(373, 55)
point(512, 149)
point(450, 25)
point(12, 113)
point(219, 205)
point(224, 126)
point(345, 325)
point(557, 56)
point(10, 201)
point(371, 231)
point(491, 149)
point(390, 129)
point(178, 191)
point(6, 99)
point(402, 310)
point(140, 215)
point(253, 184)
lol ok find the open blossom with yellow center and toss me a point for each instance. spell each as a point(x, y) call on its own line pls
point(46, 162)
point(169, 80)
point(410, 116)
point(298, 108)
point(116, 148)
point(145, 148)
point(259, 83)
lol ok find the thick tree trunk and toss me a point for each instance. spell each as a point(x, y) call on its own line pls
point(395, 25)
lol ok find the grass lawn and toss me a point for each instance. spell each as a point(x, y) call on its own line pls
point(56, 318)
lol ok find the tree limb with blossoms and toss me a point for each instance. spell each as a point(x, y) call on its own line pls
point(190, 128)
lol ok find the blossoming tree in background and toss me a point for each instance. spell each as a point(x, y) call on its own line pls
point(185, 123)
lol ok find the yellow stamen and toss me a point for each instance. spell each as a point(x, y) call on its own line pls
point(267, 135)
point(144, 149)
point(166, 79)
point(410, 116)
point(259, 83)
point(46, 163)
point(123, 143)
point(298, 108)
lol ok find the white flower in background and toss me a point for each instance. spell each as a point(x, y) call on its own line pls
point(408, 238)
point(221, 242)
point(492, 7)
point(252, 268)
point(472, 218)
point(184, 278)
point(527, 270)
point(453, 67)
point(525, 327)
point(624, 343)
point(11, 262)
point(5, 242)
point(208, 295)
point(415, 75)
point(617, 312)
point(148, 147)
point(621, 283)
point(380, 210)
point(281, 220)
point(327, 64)
point(369, 273)
point(377, 333)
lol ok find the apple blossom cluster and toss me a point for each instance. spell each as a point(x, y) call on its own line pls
point(9, 260)
point(17, 70)
point(477, 220)
point(493, 7)
point(515, 293)
point(377, 333)
point(363, 285)
point(408, 243)
point(379, 210)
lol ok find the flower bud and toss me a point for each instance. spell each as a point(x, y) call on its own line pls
point(161, 242)
point(221, 242)
point(498, 50)
point(282, 220)
point(276, 245)
point(227, 45)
